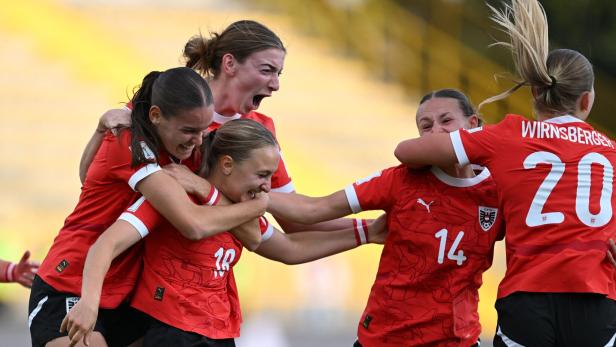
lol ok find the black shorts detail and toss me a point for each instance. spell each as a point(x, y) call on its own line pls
point(48, 307)
point(161, 334)
point(555, 319)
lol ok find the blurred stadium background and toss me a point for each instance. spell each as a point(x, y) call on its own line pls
point(349, 90)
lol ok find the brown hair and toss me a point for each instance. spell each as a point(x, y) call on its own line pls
point(173, 91)
point(559, 77)
point(240, 39)
point(463, 101)
point(236, 138)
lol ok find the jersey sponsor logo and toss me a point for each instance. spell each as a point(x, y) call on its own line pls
point(159, 293)
point(62, 265)
point(487, 217)
point(364, 180)
point(423, 203)
point(70, 302)
point(147, 152)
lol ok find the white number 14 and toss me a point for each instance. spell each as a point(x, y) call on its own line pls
point(459, 257)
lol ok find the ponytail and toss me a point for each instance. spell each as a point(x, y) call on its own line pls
point(144, 134)
point(172, 91)
point(559, 77)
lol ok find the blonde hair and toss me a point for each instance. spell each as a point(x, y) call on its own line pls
point(558, 77)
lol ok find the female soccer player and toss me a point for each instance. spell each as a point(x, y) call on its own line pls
point(442, 221)
point(242, 64)
point(555, 181)
point(171, 111)
point(188, 287)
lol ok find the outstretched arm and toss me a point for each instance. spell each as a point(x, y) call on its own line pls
point(430, 149)
point(80, 320)
point(110, 120)
point(303, 209)
point(23, 272)
point(312, 245)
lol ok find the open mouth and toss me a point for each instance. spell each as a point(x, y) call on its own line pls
point(187, 148)
point(256, 100)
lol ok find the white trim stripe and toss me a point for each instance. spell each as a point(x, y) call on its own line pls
point(220, 119)
point(564, 119)
point(361, 231)
point(268, 233)
point(509, 342)
point(213, 198)
point(141, 174)
point(136, 223)
point(135, 206)
point(458, 148)
point(610, 343)
point(9, 272)
point(459, 182)
point(36, 310)
point(287, 188)
point(352, 199)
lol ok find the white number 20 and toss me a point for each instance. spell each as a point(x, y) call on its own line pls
point(536, 216)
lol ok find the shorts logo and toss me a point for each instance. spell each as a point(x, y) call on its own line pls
point(159, 293)
point(487, 217)
point(367, 321)
point(70, 302)
point(63, 265)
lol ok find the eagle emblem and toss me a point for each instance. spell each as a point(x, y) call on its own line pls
point(487, 217)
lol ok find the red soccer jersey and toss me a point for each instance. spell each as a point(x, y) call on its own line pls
point(106, 192)
point(555, 181)
point(281, 181)
point(441, 237)
point(188, 284)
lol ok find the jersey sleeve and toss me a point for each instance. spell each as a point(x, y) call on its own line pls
point(281, 181)
point(119, 157)
point(375, 192)
point(144, 217)
point(479, 145)
point(267, 230)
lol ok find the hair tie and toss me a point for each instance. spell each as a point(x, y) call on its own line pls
point(553, 84)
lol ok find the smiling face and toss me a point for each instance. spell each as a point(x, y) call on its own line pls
point(180, 134)
point(256, 78)
point(238, 180)
point(442, 115)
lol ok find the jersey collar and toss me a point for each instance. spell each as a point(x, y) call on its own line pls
point(461, 182)
point(564, 119)
point(220, 119)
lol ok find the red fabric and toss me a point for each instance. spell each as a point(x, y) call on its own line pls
point(560, 244)
point(189, 284)
point(415, 300)
point(104, 195)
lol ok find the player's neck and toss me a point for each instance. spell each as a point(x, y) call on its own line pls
point(223, 100)
point(459, 171)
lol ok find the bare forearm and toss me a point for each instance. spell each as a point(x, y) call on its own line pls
point(96, 266)
point(308, 246)
point(249, 234)
point(335, 224)
point(301, 209)
point(89, 152)
point(194, 221)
